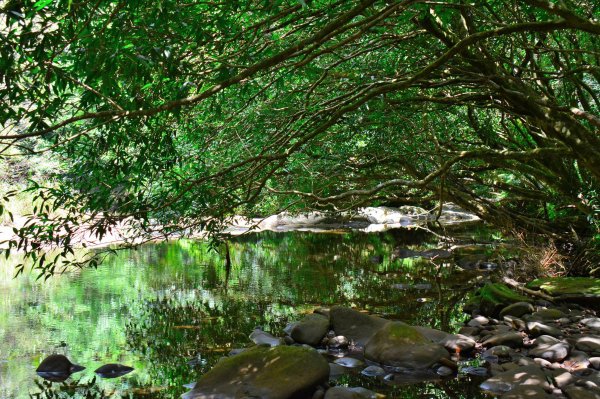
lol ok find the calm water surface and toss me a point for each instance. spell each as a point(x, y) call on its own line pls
point(171, 310)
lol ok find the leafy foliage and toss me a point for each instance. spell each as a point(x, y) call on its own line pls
point(171, 117)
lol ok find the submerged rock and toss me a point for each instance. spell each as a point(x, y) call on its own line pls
point(280, 372)
point(113, 370)
point(354, 325)
point(400, 345)
point(311, 329)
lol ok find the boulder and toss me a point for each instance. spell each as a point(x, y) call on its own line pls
point(492, 298)
point(279, 372)
point(354, 325)
point(400, 345)
point(311, 329)
point(455, 343)
point(517, 309)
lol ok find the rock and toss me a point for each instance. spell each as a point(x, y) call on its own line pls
point(455, 343)
point(349, 393)
point(563, 378)
point(279, 372)
point(113, 370)
point(595, 362)
point(402, 346)
point(57, 368)
point(356, 326)
point(517, 309)
point(338, 342)
point(591, 322)
point(520, 376)
point(492, 298)
point(536, 329)
point(526, 392)
point(588, 343)
point(373, 371)
point(575, 289)
point(548, 314)
point(335, 370)
point(260, 337)
point(319, 394)
point(495, 353)
point(477, 371)
point(551, 352)
point(445, 371)
point(510, 339)
point(478, 321)
point(575, 392)
point(349, 362)
point(311, 329)
point(515, 323)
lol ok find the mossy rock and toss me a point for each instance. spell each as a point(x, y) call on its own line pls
point(572, 289)
point(279, 372)
point(400, 345)
point(492, 298)
point(557, 286)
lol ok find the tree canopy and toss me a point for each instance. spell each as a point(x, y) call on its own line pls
point(172, 116)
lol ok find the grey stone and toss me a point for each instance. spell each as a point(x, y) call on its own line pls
point(349, 362)
point(373, 371)
point(551, 352)
point(280, 372)
point(591, 322)
point(311, 329)
point(510, 339)
point(478, 321)
point(595, 362)
point(588, 343)
point(400, 345)
point(536, 329)
point(260, 337)
point(508, 380)
point(526, 392)
point(515, 323)
point(564, 378)
point(354, 325)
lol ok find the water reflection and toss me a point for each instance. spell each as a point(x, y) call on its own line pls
point(171, 310)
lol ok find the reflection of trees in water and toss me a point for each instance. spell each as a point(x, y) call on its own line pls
point(181, 341)
point(49, 390)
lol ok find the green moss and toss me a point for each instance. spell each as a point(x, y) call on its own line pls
point(492, 298)
point(403, 332)
point(557, 286)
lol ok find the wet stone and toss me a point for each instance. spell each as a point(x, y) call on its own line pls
point(536, 329)
point(589, 343)
point(349, 362)
point(595, 362)
point(373, 371)
point(508, 380)
point(311, 329)
point(591, 322)
point(551, 352)
point(577, 392)
point(478, 321)
point(510, 339)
